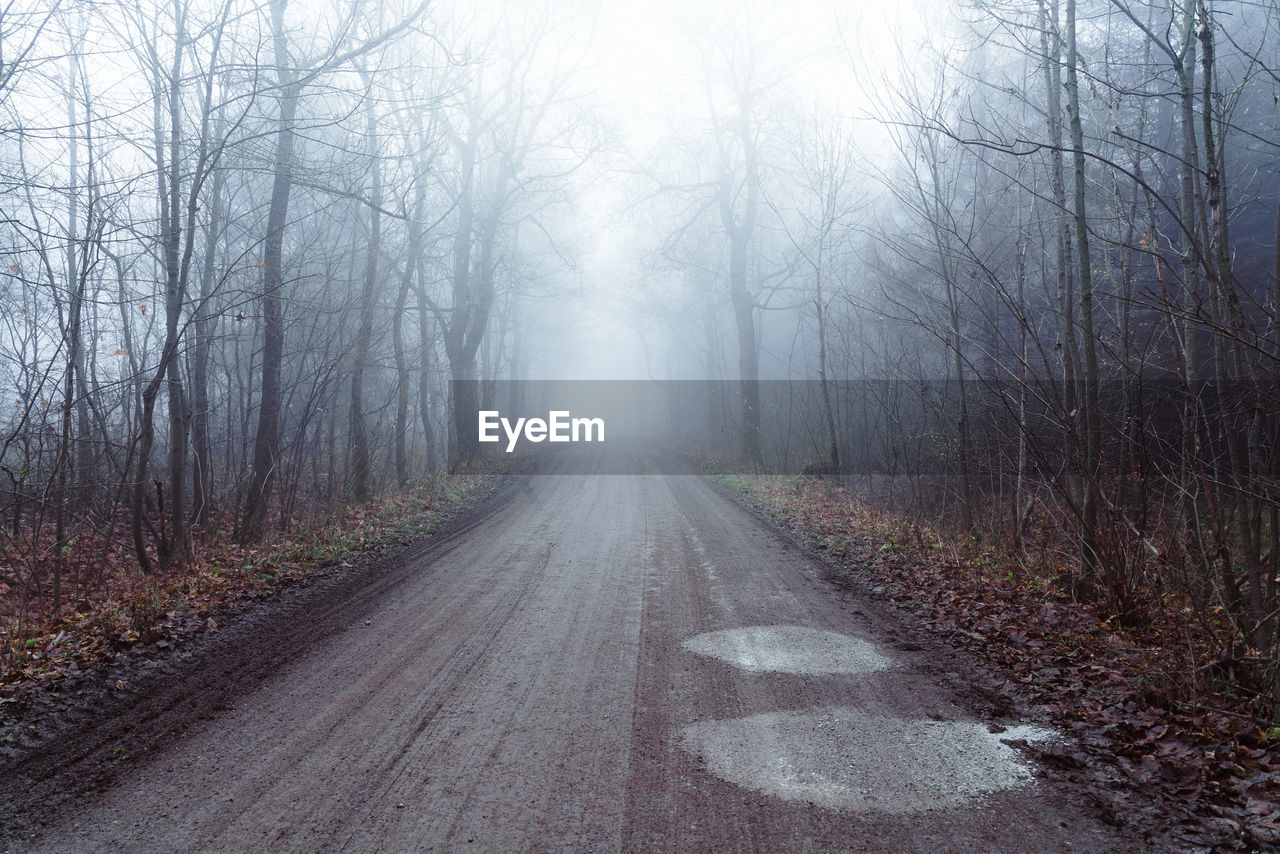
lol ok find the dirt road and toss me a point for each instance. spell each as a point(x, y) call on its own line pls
point(607, 663)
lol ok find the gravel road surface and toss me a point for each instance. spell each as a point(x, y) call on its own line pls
point(604, 663)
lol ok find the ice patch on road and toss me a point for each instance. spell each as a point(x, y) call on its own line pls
point(790, 649)
point(842, 759)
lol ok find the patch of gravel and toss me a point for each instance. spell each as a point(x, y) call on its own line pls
point(842, 759)
point(790, 649)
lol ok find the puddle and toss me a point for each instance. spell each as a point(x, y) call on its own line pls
point(842, 759)
point(790, 649)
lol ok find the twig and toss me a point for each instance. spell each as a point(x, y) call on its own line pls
point(1251, 718)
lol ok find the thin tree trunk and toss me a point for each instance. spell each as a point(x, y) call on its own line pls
point(463, 395)
point(1091, 558)
point(361, 463)
point(740, 228)
point(412, 251)
point(820, 307)
point(1245, 445)
point(64, 477)
point(202, 328)
point(175, 295)
point(1051, 45)
point(425, 349)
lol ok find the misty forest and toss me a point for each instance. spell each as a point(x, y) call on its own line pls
point(1012, 263)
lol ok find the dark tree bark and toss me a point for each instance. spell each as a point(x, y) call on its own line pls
point(1091, 557)
point(266, 439)
point(426, 346)
point(178, 217)
point(361, 463)
point(203, 323)
point(413, 251)
point(467, 319)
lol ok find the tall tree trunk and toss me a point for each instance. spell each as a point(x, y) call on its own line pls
point(463, 396)
point(361, 463)
point(413, 241)
point(426, 347)
point(740, 227)
point(473, 289)
point(1021, 503)
point(401, 424)
point(833, 441)
point(175, 296)
point(1051, 45)
point(1091, 557)
point(956, 341)
point(266, 439)
point(72, 335)
point(176, 547)
point(1238, 377)
point(939, 214)
point(1189, 327)
point(202, 328)
point(1275, 293)
point(78, 271)
point(748, 353)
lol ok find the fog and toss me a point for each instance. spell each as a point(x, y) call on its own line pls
point(267, 259)
point(645, 74)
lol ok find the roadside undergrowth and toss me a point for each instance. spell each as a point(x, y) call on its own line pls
point(1144, 701)
point(125, 608)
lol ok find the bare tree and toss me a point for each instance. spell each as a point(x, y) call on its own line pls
point(292, 78)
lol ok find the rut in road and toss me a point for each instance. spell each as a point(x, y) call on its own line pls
point(608, 663)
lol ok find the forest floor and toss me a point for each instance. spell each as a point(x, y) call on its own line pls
point(111, 608)
point(1144, 700)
